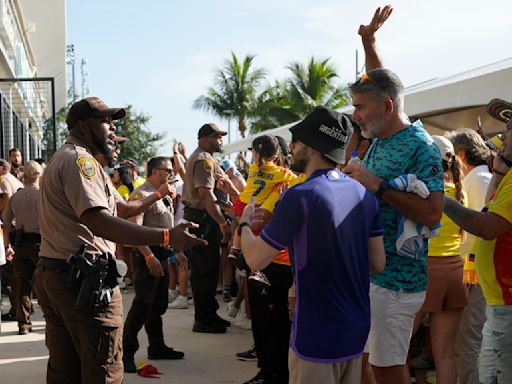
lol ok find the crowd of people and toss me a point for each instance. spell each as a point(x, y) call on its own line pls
point(361, 233)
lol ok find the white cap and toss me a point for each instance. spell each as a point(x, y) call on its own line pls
point(445, 147)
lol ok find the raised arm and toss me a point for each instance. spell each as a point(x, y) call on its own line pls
point(367, 33)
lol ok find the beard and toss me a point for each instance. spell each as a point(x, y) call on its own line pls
point(299, 161)
point(372, 128)
point(104, 149)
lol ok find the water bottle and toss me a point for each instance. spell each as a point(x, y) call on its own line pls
point(354, 158)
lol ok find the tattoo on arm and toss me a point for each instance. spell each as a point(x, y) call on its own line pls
point(464, 217)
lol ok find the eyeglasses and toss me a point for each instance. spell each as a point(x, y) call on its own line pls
point(168, 170)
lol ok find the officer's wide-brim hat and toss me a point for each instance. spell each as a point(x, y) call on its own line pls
point(92, 107)
point(500, 109)
point(325, 130)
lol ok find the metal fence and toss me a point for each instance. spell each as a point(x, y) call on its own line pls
point(27, 117)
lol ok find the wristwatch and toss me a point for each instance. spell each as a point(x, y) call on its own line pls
point(240, 226)
point(383, 187)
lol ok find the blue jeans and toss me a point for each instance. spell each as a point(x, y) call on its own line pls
point(495, 365)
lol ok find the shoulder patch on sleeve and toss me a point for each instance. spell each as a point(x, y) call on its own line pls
point(1, 180)
point(208, 165)
point(87, 166)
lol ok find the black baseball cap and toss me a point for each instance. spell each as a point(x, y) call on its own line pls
point(92, 107)
point(210, 129)
point(325, 130)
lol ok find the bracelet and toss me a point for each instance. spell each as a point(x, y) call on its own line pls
point(148, 256)
point(167, 237)
point(158, 194)
point(222, 225)
point(499, 173)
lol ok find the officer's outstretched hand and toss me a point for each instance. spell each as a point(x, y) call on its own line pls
point(180, 239)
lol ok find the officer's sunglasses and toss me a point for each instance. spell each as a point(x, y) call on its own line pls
point(168, 170)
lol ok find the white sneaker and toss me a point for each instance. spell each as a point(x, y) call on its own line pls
point(244, 323)
point(181, 302)
point(173, 294)
point(232, 310)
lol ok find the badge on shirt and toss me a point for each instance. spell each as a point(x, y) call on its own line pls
point(208, 165)
point(87, 166)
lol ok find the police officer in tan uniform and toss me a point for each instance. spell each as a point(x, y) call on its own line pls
point(23, 208)
point(150, 272)
point(77, 206)
point(9, 184)
point(202, 172)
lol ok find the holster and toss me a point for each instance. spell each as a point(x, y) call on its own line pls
point(94, 280)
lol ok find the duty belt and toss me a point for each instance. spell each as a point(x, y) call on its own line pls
point(32, 237)
point(53, 264)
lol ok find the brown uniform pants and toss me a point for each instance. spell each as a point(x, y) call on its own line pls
point(149, 304)
point(24, 264)
point(84, 347)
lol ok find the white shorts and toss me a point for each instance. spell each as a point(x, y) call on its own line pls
point(391, 327)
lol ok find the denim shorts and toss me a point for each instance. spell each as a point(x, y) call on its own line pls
point(495, 363)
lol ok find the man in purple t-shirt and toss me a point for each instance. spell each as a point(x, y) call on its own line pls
point(332, 228)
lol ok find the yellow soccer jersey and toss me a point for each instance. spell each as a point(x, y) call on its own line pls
point(261, 184)
point(493, 257)
point(125, 192)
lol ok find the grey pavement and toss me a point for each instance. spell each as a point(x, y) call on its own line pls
point(209, 358)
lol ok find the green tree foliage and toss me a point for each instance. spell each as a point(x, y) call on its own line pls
point(292, 99)
point(47, 144)
point(142, 144)
point(234, 92)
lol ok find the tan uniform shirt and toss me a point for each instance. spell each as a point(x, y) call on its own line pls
point(72, 183)
point(200, 172)
point(9, 184)
point(157, 215)
point(23, 206)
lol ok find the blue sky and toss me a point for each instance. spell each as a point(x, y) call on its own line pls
point(160, 55)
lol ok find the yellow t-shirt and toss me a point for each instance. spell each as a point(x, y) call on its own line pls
point(261, 184)
point(493, 260)
point(125, 192)
point(449, 239)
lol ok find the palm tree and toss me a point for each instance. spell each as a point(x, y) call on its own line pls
point(234, 92)
point(292, 99)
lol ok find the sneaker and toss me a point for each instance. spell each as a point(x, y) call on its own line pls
point(173, 294)
point(164, 353)
point(259, 379)
point(249, 355)
point(234, 254)
point(129, 363)
point(244, 322)
point(232, 310)
point(227, 295)
point(208, 328)
point(422, 361)
point(259, 279)
point(181, 302)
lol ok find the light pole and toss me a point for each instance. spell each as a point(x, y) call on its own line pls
point(70, 60)
point(229, 114)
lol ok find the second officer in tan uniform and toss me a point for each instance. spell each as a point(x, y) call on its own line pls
point(150, 271)
point(23, 207)
point(77, 206)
